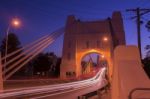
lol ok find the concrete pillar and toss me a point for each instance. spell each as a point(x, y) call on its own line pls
point(128, 73)
point(1, 78)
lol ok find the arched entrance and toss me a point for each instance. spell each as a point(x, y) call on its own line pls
point(106, 60)
point(91, 63)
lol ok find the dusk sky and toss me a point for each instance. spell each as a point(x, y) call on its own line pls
point(41, 17)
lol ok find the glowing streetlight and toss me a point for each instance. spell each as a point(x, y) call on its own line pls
point(14, 23)
point(102, 56)
point(105, 39)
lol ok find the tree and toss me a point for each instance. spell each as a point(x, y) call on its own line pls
point(57, 68)
point(147, 47)
point(41, 63)
point(46, 63)
point(146, 62)
point(12, 45)
point(148, 51)
point(148, 25)
point(53, 59)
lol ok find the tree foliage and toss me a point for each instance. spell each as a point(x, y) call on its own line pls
point(147, 48)
point(48, 63)
point(146, 62)
point(148, 25)
point(41, 63)
point(12, 44)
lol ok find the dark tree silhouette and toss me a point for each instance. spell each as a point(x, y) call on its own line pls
point(41, 63)
point(46, 63)
point(57, 68)
point(146, 62)
point(12, 45)
point(148, 25)
point(147, 48)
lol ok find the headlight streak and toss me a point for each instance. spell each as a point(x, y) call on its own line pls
point(55, 89)
point(85, 86)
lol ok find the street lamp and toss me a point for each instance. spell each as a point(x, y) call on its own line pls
point(102, 56)
point(15, 22)
point(105, 39)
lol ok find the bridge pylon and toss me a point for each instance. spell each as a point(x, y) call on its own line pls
point(84, 37)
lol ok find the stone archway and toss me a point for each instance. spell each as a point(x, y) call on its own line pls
point(91, 63)
point(106, 54)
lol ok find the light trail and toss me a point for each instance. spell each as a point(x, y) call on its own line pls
point(58, 88)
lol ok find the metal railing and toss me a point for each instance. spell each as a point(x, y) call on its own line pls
point(137, 89)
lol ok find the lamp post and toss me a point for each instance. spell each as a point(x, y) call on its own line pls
point(15, 22)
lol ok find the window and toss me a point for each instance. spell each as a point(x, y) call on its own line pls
point(66, 73)
point(69, 44)
point(69, 56)
point(73, 73)
point(98, 44)
point(87, 44)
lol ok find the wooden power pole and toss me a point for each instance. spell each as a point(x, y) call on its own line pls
point(139, 12)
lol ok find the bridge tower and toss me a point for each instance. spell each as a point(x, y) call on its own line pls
point(84, 37)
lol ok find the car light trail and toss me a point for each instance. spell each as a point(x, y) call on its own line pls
point(58, 88)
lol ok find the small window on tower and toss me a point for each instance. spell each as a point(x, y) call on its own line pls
point(87, 44)
point(69, 44)
point(69, 56)
point(98, 44)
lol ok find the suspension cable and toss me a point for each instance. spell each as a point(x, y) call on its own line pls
point(31, 44)
point(30, 57)
point(26, 46)
point(27, 56)
point(25, 51)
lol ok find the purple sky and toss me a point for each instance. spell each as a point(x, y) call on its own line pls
point(41, 17)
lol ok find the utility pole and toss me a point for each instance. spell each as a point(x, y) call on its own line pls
point(139, 12)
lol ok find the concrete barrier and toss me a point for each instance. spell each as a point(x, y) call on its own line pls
point(128, 73)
